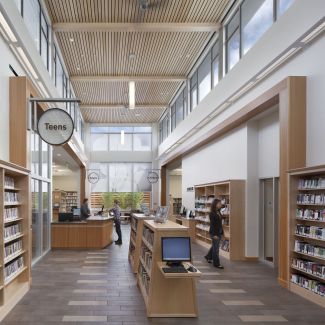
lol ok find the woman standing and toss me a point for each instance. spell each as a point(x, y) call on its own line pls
point(216, 232)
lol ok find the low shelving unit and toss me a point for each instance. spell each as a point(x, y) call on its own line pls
point(232, 195)
point(14, 236)
point(307, 233)
point(164, 295)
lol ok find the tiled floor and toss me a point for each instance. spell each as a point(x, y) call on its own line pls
point(86, 287)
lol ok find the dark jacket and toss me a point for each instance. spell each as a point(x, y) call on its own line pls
point(216, 224)
point(84, 211)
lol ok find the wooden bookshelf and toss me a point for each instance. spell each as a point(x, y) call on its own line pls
point(232, 195)
point(15, 234)
point(164, 296)
point(136, 239)
point(177, 204)
point(59, 203)
point(71, 200)
point(307, 233)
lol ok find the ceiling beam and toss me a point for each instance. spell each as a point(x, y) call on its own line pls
point(129, 78)
point(136, 27)
point(112, 106)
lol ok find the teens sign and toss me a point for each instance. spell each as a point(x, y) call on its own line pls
point(55, 126)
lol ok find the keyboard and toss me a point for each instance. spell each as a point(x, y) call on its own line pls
point(178, 269)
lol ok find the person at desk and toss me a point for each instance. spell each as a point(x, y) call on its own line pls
point(84, 210)
point(216, 233)
point(117, 221)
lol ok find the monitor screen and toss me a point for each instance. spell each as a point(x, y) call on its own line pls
point(76, 212)
point(176, 249)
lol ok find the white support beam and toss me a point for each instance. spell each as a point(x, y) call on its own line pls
point(129, 78)
point(112, 106)
point(136, 27)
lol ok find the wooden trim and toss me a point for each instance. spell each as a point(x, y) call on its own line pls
point(251, 259)
point(283, 284)
point(129, 78)
point(163, 187)
point(82, 184)
point(136, 27)
point(119, 106)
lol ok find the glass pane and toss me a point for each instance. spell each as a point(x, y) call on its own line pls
point(44, 25)
point(204, 77)
point(257, 18)
point(179, 109)
point(233, 25)
point(45, 159)
point(140, 181)
point(118, 129)
point(233, 50)
point(99, 129)
point(142, 142)
point(116, 142)
point(32, 20)
point(35, 153)
point(215, 49)
point(59, 76)
point(46, 216)
point(215, 71)
point(99, 142)
point(102, 184)
point(193, 80)
point(18, 4)
point(120, 177)
point(193, 98)
point(36, 220)
point(142, 129)
point(282, 6)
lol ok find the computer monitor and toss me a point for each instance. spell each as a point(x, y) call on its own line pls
point(76, 212)
point(175, 250)
point(65, 217)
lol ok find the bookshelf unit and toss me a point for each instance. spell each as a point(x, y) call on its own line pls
point(164, 296)
point(136, 231)
point(59, 203)
point(177, 204)
point(15, 235)
point(232, 195)
point(71, 200)
point(307, 233)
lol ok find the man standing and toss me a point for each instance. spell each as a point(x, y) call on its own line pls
point(117, 221)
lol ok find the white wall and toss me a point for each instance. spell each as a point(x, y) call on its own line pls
point(175, 186)
point(218, 161)
point(67, 183)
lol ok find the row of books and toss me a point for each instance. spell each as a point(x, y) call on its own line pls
point(11, 197)
point(309, 267)
point(203, 227)
point(148, 235)
point(225, 245)
point(201, 218)
point(11, 213)
point(12, 231)
point(9, 182)
point(14, 267)
point(225, 221)
point(147, 257)
point(145, 278)
point(13, 248)
point(306, 248)
point(202, 209)
point(133, 235)
point(134, 223)
point(312, 183)
point(308, 284)
point(310, 231)
point(311, 214)
point(311, 199)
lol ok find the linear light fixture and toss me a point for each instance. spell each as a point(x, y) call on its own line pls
point(7, 29)
point(314, 33)
point(122, 137)
point(131, 95)
point(26, 61)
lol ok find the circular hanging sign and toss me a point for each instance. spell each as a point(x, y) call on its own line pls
point(152, 177)
point(93, 178)
point(55, 126)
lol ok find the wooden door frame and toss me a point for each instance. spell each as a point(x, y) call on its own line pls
point(290, 96)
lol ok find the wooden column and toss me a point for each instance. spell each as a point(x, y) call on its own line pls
point(82, 183)
point(163, 188)
point(292, 111)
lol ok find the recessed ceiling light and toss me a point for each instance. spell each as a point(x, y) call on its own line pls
point(137, 114)
point(188, 55)
point(78, 68)
point(132, 56)
point(71, 40)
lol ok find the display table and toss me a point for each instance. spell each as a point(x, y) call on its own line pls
point(95, 232)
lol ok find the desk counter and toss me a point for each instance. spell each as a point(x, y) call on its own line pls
point(95, 232)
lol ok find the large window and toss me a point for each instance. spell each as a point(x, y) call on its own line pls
point(121, 138)
point(215, 64)
point(233, 41)
point(282, 6)
point(193, 91)
point(164, 128)
point(204, 77)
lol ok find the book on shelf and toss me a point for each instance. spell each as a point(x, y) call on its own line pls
point(144, 278)
point(310, 231)
point(146, 257)
point(10, 214)
point(134, 223)
point(310, 214)
point(9, 182)
point(13, 248)
point(12, 231)
point(309, 249)
point(307, 198)
point(11, 197)
point(309, 284)
point(148, 235)
point(14, 267)
point(311, 183)
point(309, 267)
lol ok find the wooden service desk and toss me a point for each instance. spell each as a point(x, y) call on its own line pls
point(95, 232)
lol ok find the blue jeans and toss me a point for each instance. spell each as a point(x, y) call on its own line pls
point(213, 253)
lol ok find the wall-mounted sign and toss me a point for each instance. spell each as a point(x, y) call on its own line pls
point(93, 176)
point(190, 189)
point(152, 177)
point(55, 126)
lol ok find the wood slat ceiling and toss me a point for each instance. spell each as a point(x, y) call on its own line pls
point(107, 53)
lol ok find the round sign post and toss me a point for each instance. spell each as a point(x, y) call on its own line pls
point(153, 177)
point(55, 126)
point(93, 178)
